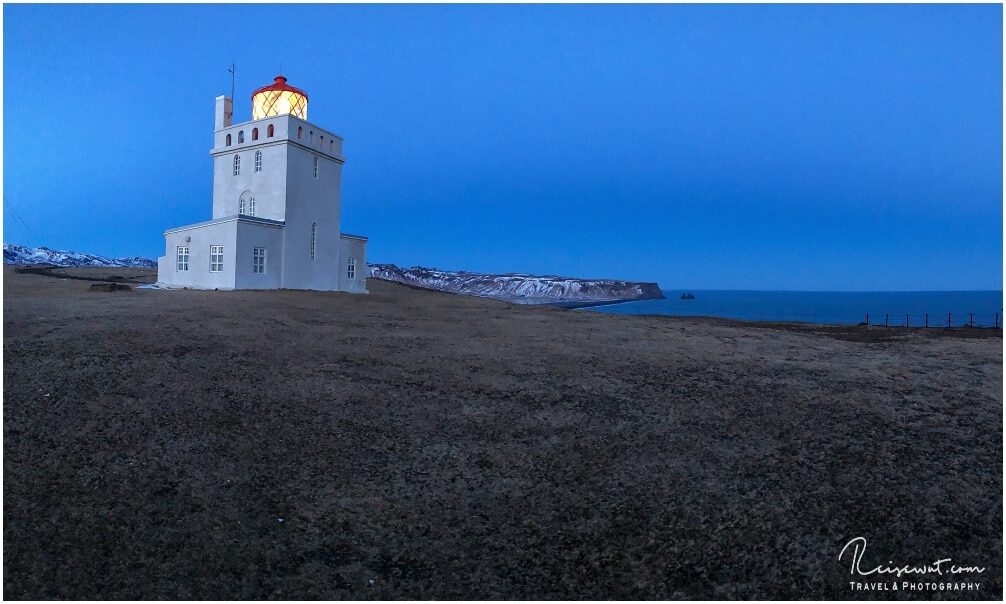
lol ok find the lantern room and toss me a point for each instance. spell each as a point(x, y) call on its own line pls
point(279, 98)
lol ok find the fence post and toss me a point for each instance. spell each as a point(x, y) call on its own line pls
point(906, 319)
point(927, 319)
point(948, 320)
point(972, 321)
point(867, 318)
point(886, 316)
point(997, 320)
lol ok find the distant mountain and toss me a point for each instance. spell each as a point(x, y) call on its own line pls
point(512, 287)
point(17, 254)
point(520, 288)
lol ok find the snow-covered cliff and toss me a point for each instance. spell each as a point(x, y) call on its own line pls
point(520, 288)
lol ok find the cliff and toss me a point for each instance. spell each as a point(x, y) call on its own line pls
point(520, 288)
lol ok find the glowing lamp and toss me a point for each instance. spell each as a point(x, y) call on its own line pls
point(279, 98)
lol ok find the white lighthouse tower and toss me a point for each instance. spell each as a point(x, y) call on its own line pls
point(276, 206)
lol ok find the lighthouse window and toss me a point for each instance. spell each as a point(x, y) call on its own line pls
point(228, 140)
point(246, 204)
point(258, 161)
point(241, 136)
point(258, 261)
point(300, 132)
point(237, 165)
point(271, 131)
point(183, 258)
point(314, 238)
point(321, 143)
point(331, 145)
point(254, 134)
point(310, 136)
point(216, 258)
point(351, 269)
point(316, 167)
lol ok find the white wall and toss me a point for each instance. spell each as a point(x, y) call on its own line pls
point(249, 236)
point(353, 247)
point(310, 201)
point(201, 238)
point(268, 186)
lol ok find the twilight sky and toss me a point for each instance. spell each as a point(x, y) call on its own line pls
point(827, 147)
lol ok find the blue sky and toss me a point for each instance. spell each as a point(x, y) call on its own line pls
point(824, 147)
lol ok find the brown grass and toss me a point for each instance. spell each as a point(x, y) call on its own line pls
point(450, 447)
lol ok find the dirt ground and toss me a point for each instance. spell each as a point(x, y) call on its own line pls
point(415, 445)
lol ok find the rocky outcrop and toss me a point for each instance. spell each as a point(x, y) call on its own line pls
point(520, 288)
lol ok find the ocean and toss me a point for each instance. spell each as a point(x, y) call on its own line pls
point(846, 308)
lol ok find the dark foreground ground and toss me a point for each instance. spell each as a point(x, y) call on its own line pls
point(410, 444)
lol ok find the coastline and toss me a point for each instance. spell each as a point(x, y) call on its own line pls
point(574, 304)
point(977, 309)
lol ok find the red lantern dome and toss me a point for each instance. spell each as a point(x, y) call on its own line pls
point(279, 98)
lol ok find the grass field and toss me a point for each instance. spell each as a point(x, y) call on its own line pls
point(413, 445)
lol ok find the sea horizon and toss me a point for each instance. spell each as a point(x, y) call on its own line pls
point(920, 308)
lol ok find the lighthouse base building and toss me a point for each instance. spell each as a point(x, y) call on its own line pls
point(276, 206)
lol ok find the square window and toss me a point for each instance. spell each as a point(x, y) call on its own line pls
point(182, 261)
point(216, 258)
point(258, 261)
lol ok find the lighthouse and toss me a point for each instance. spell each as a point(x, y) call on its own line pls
point(276, 205)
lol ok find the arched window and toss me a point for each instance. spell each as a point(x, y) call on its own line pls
point(241, 136)
point(316, 166)
point(228, 140)
point(310, 136)
point(246, 204)
point(271, 131)
point(331, 146)
point(300, 132)
point(314, 238)
point(254, 134)
point(321, 142)
point(258, 161)
point(237, 165)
